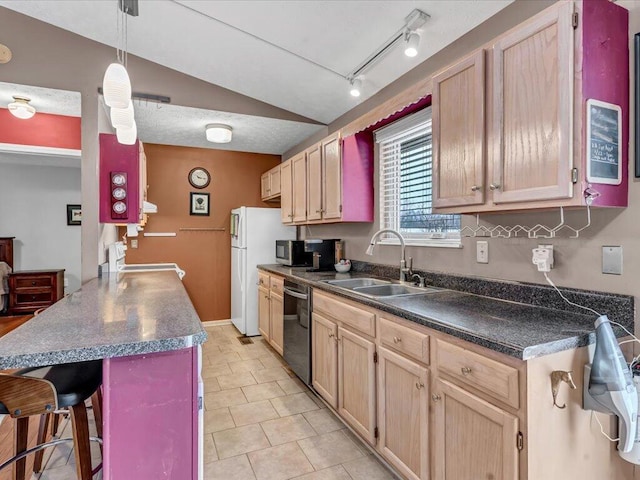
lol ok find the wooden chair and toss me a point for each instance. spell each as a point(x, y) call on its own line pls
point(42, 391)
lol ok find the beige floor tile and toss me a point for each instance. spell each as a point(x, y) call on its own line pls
point(236, 380)
point(329, 449)
point(217, 420)
point(262, 391)
point(227, 347)
point(292, 385)
point(323, 421)
point(271, 374)
point(234, 468)
point(331, 473)
point(292, 404)
point(253, 413)
point(279, 463)
point(224, 357)
point(287, 429)
point(316, 399)
point(367, 468)
point(216, 370)
point(364, 448)
point(224, 398)
point(271, 361)
point(237, 441)
point(210, 454)
point(65, 472)
point(251, 352)
point(246, 366)
point(211, 385)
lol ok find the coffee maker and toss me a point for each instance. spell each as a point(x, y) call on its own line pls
point(323, 252)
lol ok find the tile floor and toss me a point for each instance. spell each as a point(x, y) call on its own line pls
point(260, 422)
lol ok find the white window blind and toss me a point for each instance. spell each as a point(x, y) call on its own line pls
point(405, 159)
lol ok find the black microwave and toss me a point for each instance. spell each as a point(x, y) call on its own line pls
point(292, 254)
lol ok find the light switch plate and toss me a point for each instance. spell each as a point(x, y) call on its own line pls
point(482, 251)
point(612, 260)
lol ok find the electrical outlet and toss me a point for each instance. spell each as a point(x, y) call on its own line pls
point(134, 243)
point(66, 282)
point(482, 251)
point(612, 260)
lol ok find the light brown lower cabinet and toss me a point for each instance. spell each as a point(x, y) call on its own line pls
point(473, 439)
point(264, 313)
point(271, 310)
point(403, 414)
point(324, 358)
point(276, 317)
point(357, 383)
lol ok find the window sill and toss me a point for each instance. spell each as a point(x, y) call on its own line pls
point(440, 243)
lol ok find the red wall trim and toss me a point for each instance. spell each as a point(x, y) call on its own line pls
point(43, 129)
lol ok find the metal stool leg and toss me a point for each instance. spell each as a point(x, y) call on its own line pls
point(82, 450)
point(21, 437)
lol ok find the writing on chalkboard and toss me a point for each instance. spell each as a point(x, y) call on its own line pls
point(604, 157)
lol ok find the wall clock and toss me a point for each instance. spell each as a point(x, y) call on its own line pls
point(199, 177)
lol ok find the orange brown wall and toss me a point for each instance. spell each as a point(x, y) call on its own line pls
point(206, 255)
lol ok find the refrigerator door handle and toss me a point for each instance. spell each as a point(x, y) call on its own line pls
point(239, 271)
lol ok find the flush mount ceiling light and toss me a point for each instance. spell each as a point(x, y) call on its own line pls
point(412, 22)
point(5, 54)
point(218, 133)
point(20, 108)
point(356, 87)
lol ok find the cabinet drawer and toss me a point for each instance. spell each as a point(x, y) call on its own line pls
point(360, 319)
point(35, 297)
point(277, 285)
point(496, 379)
point(33, 281)
point(405, 340)
point(263, 279)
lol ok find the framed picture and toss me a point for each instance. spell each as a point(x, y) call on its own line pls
point(604, 137)
point(199, 204)
point(74, 215)
point(636, 89)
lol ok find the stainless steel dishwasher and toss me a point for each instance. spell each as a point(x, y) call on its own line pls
point(297, 329)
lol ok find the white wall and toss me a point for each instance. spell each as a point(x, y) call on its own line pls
point(33, 208)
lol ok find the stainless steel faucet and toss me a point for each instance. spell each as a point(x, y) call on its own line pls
point(404, 270)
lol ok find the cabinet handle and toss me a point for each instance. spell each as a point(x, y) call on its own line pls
point(465, 370)
point(33, 283)
point(290, 215)
point(331, 335)
point(397, 339)
point(419, 385)
point(494, 186)
point(435, 397)
point(475, 188)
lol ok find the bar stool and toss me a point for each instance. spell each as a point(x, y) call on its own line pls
point(43, 390)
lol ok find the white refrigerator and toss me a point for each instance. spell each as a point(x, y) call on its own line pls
point(254, 232)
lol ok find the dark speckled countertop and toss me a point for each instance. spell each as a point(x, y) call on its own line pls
point(114, 316)
point(517, 329)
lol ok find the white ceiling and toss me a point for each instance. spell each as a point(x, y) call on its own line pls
point(44, 100)
point(289, 53)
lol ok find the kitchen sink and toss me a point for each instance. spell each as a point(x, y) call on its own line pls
point(353, 283)
point(392, 290)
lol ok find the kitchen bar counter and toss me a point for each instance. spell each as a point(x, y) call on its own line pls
point(113, 316)
point(516, 329)
point(148, 334)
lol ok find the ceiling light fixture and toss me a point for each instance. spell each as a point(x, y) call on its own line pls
point(122, 117)
point(356, 87)
point(412, 22)
point(127, 136)
point(218, 133)
point(412, 42)
point(20, 108)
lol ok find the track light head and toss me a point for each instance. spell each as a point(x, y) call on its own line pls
point(412, 42)
point(356, 87)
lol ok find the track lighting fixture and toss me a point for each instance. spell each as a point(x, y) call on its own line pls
point(412, 41)
point(356, 87)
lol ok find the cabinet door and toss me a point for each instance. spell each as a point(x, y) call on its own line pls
point(299, 187)
point(459, 134)
point(357, 383)
point(331, 179)
point(324, 361)
point(276, 335)
point(274, 181)
point(532, 109)
point(403, 421)
point(263, 312)
point(264, 185)
point(314, 183)
point(472, 438)
point(286, 193)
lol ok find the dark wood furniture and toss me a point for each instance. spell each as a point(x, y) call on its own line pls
point(30, 290)
point(6, 250)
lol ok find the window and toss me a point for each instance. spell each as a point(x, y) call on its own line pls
point(404, 151)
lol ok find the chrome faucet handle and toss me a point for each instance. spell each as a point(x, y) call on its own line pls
point(420, 281)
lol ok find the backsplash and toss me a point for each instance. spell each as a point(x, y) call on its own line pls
point(619, 308)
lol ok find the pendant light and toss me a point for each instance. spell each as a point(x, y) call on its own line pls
point(116, 86)
point(122, 117)
point(127, 136)
point(20, 108)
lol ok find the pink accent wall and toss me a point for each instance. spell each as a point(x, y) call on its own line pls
point(42, 130)
point(121, 158)
point(605, 77)
point(357, 178)
point(150, 416)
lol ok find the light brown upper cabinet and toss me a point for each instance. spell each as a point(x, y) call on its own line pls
point(458, 133)
point(270, 184)
point(286, 192)
point(314, 182)
point(510, 121)
point(324, 180)
point(299, 187)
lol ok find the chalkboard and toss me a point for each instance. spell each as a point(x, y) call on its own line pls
point(604, 136)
